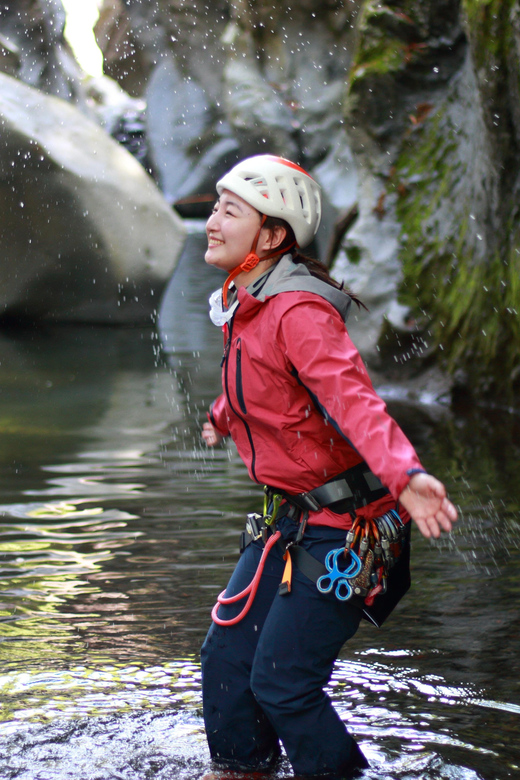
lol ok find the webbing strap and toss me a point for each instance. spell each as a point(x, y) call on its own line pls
point(285, 585)
point(348, 491)
point(307, 563)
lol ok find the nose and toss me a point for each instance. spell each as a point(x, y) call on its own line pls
point(212, 221)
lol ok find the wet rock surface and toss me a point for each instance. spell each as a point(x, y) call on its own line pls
point(85, 235)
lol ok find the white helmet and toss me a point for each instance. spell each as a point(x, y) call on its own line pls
point(278, 188)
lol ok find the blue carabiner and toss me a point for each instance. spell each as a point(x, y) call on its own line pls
point(338, 577)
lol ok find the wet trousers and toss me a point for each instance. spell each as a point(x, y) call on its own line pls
point(263, 678)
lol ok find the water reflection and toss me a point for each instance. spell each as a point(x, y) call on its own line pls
point(119, 529)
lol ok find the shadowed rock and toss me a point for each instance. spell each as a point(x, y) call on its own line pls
point(85, 234)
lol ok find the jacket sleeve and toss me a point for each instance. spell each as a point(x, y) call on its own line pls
point(217, 415)
point(317, 344)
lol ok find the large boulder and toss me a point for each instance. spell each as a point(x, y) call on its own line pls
point(85, 234)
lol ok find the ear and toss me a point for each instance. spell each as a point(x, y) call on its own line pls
point(270, 239)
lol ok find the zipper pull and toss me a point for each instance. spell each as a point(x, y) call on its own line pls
point(226, 350)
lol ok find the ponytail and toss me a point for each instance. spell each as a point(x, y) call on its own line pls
point(315, 267)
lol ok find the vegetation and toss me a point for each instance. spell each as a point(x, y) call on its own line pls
point(454, 179)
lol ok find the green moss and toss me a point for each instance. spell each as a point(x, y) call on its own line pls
point(378, 56)
point(353, 253)
point(490, 29)
point(472, 307)
point(380, 47)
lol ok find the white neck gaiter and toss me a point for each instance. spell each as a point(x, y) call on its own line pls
point(217, 315)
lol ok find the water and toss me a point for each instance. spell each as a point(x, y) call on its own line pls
point(119, 529)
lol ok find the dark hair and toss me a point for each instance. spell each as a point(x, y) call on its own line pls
point(315, 267)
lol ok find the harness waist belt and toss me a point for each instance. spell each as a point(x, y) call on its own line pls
point(348, 491)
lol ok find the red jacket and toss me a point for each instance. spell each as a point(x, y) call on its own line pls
point(285, 356)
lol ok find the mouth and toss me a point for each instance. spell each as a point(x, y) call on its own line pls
point(212, 242)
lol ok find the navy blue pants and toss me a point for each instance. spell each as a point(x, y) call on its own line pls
point(263, 678)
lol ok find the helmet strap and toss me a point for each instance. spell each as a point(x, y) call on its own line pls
point(250, 262)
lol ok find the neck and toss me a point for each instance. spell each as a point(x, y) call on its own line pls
point(245, 278)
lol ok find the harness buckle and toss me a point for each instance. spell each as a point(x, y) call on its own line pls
point(253, 530)
point(254, 525)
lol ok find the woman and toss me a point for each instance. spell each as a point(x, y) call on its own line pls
point(306, 421)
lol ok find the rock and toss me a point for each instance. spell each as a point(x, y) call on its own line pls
point(122, 116)
point(39, 55)
point(109, 102)
point(176, 117)
point(84, 233)
point(179, 121)
point(239, 84)
point(368, 263)
point(9, 56)
point(259, 116)
point(124, 58)
point(338, 177)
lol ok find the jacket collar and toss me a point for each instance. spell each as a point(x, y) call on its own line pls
point(287, 276)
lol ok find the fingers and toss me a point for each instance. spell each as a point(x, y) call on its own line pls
point(442, 523)
point(430, 526)
point(446, 516)
point(210, 435)
point(433, 525)
point(450, 510)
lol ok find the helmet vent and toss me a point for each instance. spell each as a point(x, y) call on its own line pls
point(260, 184)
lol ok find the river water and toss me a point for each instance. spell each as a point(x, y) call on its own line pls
point(118, 530)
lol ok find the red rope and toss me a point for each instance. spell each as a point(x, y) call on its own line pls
point(249, 591)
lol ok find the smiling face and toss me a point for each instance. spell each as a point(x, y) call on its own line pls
point(231, 230)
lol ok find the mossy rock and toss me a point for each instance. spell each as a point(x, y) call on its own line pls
point(464, 283)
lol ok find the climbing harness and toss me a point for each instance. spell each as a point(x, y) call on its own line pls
point(346, 492)
point(358, 571)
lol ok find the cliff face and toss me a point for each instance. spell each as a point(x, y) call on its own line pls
point(455, 176)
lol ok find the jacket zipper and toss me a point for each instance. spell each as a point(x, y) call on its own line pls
point(239, 387)
point(226, 388)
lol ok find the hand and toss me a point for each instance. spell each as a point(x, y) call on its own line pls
point(424, 498)
point(210, 435)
